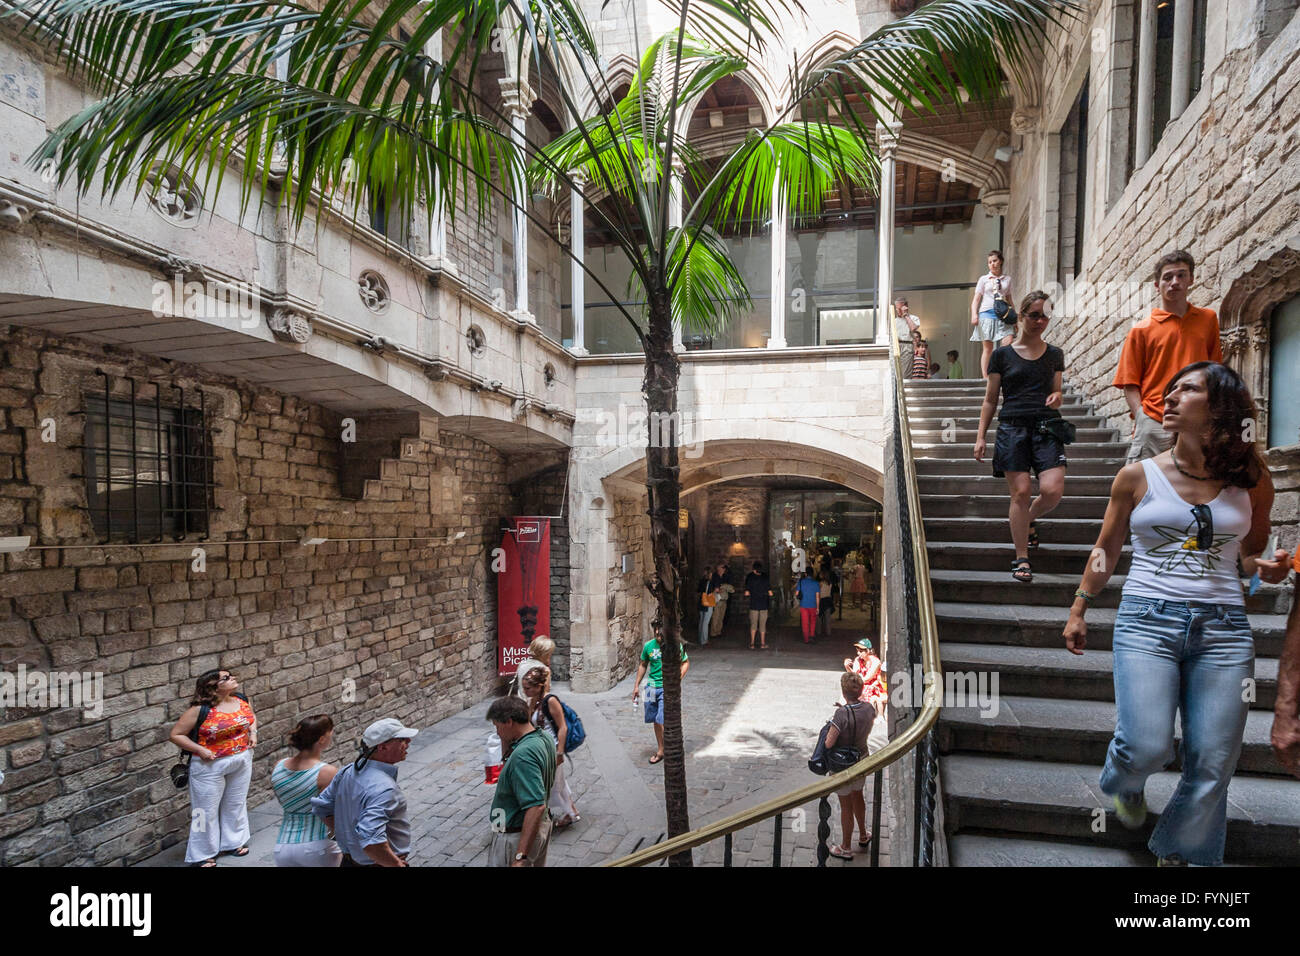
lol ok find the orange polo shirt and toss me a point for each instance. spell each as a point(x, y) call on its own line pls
point(1161, 344)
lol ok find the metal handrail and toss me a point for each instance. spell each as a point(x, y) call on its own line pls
point(931, 666)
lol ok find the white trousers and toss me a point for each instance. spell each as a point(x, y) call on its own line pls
point(218, 805)
point(315, 853)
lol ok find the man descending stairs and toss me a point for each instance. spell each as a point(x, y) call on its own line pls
point(1019, 769)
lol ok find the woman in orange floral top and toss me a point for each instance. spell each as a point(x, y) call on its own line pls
point(223, 741)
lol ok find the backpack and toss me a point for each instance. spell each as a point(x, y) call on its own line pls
point(575, 733)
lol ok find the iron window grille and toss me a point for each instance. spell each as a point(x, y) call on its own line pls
point(148, 465)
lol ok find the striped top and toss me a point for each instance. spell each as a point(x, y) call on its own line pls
point(294, 789)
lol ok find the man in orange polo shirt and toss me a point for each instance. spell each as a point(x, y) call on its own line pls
point(1174, 336)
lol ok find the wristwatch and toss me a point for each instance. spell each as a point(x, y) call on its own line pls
point(521, 857)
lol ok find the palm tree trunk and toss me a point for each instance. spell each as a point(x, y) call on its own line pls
point(663, 485)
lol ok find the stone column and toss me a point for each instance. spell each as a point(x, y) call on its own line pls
point(887, 140)
point(776, 338)
point(437, 231)
point(518, 100)
point(675, 200)
point(1146, 82)
point(1180, 93)
point(578, 250)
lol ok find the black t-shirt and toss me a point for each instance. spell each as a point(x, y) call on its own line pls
point(757, 585)
point(1026, 384)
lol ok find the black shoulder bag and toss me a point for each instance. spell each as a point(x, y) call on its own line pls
point(826, 760)
point(180, 773)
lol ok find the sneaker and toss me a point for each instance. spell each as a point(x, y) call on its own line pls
point(1131, 812)
point(1171, 861)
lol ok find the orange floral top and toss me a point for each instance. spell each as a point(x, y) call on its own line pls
point(227, 734)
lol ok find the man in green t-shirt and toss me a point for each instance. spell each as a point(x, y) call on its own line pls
point(954, 366)
point(521, 826)
point(652, 659)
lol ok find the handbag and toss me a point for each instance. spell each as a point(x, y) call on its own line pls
point(1060, 429)
point(708, 599)
point(1002, 309)
point(825, 759)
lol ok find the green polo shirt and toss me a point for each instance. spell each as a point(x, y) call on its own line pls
point(525, 780)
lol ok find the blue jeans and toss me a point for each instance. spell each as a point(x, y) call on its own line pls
point(1195, 659)
point(706, 614)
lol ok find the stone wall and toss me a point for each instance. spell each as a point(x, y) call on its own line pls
point(1223, 182)
point(735, 534)
point(356, 629)
point(629, 605)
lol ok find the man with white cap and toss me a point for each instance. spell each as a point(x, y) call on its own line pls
point(363, 804)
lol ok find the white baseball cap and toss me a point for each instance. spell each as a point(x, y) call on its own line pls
point(384, 729)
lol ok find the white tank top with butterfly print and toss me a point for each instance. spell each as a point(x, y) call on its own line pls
point(1169, 562)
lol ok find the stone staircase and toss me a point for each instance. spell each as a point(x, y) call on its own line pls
point(1020, 785)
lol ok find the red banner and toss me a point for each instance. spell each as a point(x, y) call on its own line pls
point(523, 590)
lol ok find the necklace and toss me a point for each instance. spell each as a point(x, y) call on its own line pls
point(1187, 473)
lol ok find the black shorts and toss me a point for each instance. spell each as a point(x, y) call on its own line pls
point(1020, 446)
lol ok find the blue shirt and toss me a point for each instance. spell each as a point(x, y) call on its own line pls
point(808, 592)
point(368, 808)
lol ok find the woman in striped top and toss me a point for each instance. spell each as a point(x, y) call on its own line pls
point(303, 840)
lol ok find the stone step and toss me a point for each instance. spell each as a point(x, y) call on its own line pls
point(991, 849)
point(996, 556)
point(1060, 800)
point(995, 506)
point(1071, 731)
point(970, 418)
point(1052, 530)
point(1048, 589)
point(1055, 672)
point(919, 404)
point(967, 467)
point(986, 484)
point(1036, 626)
point(967, 436)
point(1079, 450)
point(931, 386)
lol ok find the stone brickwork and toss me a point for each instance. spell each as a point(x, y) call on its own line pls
point(629, 605)
point(1222, 182)
point(736, 512)
point(356, 629)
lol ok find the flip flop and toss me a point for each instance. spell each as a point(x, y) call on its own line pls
point(840, 853)
point(863, 844)
point(242, 851)
point(206, 864)
point(656, 758)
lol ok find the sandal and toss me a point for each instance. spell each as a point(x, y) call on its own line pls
point(839, 852)
point(1021, 571)
point(863, 844)
point(566, 821)
point(1033, 534)
point(206, 864)
point(242, 851)
point(655, 758)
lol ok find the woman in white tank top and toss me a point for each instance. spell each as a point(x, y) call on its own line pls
point(1181, 632)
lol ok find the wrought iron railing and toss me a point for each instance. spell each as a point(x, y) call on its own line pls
point(914, 727)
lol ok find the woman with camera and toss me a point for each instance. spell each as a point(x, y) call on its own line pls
point(221, 730)
point(303, 839)
point(1182, 643)
point(1031, 432)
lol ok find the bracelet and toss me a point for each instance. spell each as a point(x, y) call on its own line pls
point(1088, 598)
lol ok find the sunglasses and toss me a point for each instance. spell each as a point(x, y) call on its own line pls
point(1204, 527)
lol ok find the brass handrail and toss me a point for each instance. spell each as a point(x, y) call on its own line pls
point(932, 680)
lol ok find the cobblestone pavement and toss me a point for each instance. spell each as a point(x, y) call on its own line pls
point(750, 720)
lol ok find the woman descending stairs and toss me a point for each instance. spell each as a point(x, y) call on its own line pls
point(1023, 744)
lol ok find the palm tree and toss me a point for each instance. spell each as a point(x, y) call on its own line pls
point(297, 99)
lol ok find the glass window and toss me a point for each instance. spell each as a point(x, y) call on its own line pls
point(1283, 382)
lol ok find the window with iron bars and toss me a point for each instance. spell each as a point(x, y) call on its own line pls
point(148, 468)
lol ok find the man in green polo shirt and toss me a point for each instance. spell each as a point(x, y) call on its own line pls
point(652, 659)
point(521, 825)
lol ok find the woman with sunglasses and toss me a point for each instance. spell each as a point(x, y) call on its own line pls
point(223, 740)
point(1182, 642)
point(1028, 373)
